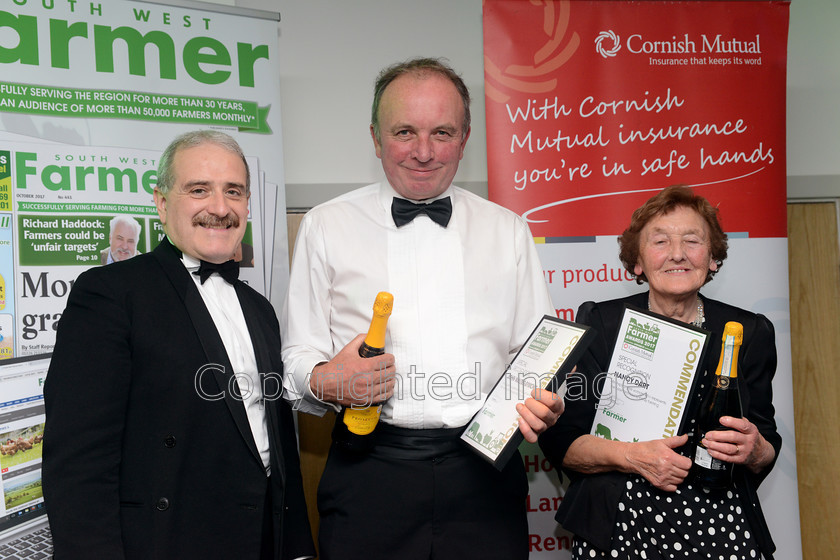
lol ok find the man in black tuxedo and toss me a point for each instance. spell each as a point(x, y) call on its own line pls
point(166, 436)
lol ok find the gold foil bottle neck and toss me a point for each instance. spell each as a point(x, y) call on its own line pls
point(383, 304)
point(733, 336)
point(734, 329)
point(375, 338)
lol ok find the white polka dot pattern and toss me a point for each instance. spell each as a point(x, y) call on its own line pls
point(688, 524)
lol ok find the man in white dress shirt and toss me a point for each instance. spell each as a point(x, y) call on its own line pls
point(468, 289)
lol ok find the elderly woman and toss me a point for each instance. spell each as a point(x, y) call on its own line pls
point(637, 500)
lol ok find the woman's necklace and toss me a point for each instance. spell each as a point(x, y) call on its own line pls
point(699, 319)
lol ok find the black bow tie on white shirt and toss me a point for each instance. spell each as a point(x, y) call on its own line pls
point(403, 211)
point(228, 270)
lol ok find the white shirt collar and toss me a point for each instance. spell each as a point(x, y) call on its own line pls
point(190, 262)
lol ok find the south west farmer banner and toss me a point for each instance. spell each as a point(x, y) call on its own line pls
point(594, 106)
point(90, 94)
point(64, 217)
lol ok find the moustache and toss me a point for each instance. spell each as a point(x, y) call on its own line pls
point(229, 221)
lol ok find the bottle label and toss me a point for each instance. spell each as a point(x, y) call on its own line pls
point(702, 458)
point(362, 421)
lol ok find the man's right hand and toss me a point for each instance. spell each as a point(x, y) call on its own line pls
point(348, 379)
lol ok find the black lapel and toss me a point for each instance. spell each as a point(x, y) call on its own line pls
point(204, 326)
point(262, 340)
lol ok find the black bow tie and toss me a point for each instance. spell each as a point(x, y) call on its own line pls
point(403, 211)
point(228, 270)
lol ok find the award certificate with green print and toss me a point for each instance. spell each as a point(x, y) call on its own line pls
point(650, 379)
point(551, 351)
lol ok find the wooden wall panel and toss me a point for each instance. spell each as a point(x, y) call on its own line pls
point(814, 262)
point(313, 432)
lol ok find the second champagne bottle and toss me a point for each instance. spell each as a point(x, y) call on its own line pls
point(722, 400)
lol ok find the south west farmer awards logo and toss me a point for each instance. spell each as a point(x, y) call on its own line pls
point(641, 339)
point(541, 342)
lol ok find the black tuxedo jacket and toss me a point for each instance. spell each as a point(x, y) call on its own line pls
point(148, 452)
point(591, 501)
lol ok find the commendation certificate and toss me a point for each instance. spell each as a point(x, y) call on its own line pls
point(650, 378)
point(550, 352)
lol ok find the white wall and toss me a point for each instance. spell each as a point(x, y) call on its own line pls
point(332, 50)
point(813, 117)
point(331, 53)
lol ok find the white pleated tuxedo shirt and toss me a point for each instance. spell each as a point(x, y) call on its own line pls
point(223, 305)
point(466, 297)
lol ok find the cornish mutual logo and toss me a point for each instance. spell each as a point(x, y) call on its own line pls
point(641, 339)
point(607, 44)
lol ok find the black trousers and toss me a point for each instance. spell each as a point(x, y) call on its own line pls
point(421, 494)
point(267, 544)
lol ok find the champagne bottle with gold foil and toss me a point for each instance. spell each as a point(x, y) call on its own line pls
point(355, 425)
point(722, 400)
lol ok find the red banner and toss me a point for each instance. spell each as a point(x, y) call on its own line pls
point(594, 105)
